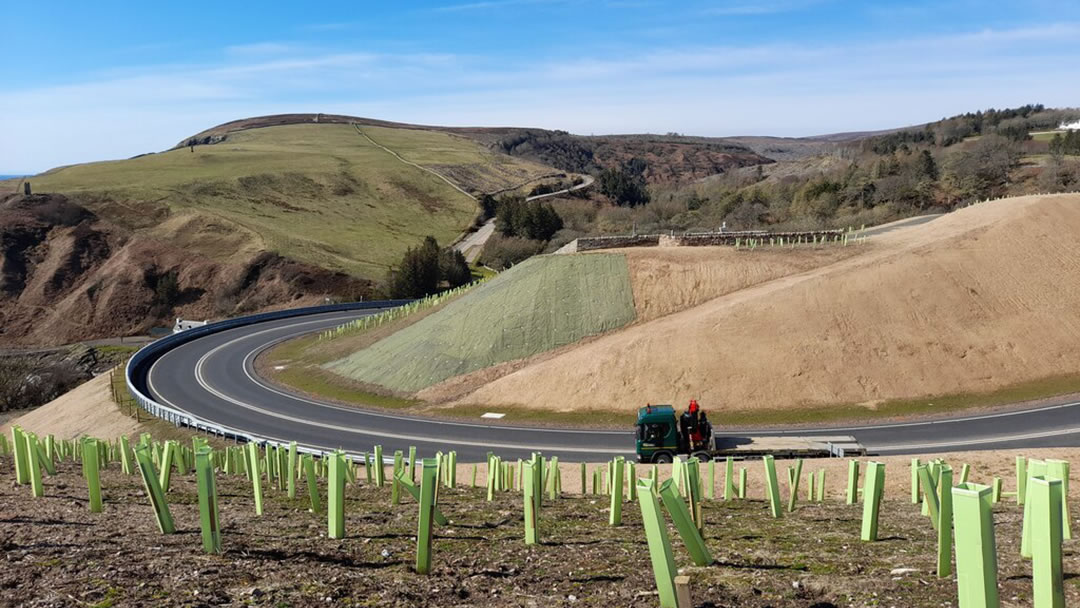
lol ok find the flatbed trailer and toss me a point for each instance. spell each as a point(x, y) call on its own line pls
point(787, 446)
point(660, 440)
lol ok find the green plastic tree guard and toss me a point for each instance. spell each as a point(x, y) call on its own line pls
point(631, 485)
point(529, 487)
point(44, 460)
point(995, 493)
point(428, 481)
point(290, 468)
point(811, 487)
point(615, 514)
point(676, 473)
point(379, 471)
point(414, 491)
point(596, 482)
point(33, 459)
point(875, 487)
point(145, 462)
point(22, 463)
point(93, 478)
point(168, 454)
point(1021, 479)
point(821, 486)
point(492, 473)
point(1059, 469)
point(710, 488)
point(976, 551)
point(793, 485)
point(395, 485)
point(742, 482)
point(584, 488)
point(916, 496)
point(945, 518)
point(412, 463)
point(474, 475)
point(772, 488)
point(853, 482)
point(1035, 468)
point(368, 473)
point(256, 478)
point(663, 562)
point(453, 469)
point(930, 495)
point(308, 462)
point(209, 522)
point(729, 478)
point(553, 481)
point(680, 516)
point(125, 456)
point(965, 470)
point(692, 470)
point(1045, 498)
point(335, 496)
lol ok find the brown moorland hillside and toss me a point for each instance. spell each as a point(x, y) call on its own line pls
point(975, 301)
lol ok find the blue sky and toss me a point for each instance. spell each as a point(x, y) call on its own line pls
point(99, 80)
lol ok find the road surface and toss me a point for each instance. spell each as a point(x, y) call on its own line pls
point(213, 377)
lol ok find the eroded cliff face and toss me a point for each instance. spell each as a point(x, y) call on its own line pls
point(67, 275)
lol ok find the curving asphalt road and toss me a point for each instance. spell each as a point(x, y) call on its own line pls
point(213, 377)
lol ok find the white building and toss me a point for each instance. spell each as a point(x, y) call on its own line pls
point(1070, 125)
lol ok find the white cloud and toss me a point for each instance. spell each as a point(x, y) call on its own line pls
point(787, 89)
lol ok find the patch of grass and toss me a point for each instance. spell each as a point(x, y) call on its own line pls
point(324, 385)
point(318, 193)
point(541, 304)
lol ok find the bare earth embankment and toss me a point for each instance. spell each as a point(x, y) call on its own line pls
point(976, 301)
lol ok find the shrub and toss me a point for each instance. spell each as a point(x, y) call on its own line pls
point(502, 252)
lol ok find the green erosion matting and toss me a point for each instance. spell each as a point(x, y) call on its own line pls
point(541, 304)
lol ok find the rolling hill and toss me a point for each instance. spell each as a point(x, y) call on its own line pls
point(267, 213)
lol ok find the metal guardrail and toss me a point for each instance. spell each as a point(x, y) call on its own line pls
point(139, 365)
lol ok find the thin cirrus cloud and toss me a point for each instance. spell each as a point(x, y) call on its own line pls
point(788, 89)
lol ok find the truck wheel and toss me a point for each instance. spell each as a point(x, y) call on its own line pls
point(702, 456)
point(662, 458)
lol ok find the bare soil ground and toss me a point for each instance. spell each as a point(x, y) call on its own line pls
point(979, 300)
point(56, 553)
point(86, 410)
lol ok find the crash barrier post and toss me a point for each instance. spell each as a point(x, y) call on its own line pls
point(772, 488)
point(688, 530)
point(90, 470)
point(853, 482)
point(335, 496)
point(615, 514)
point(256, 478)
point(794, 475)
point(209, 522)
point(428, 481)
point(529, 490)
point(872, 494)
point(153, 489)
point(945, 522)
point(312, 484)
point(976, 551)
point(1044, 502)
point(663, 562)
point(1035, 468)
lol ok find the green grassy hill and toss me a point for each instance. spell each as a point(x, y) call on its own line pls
point(541, 304)
point(331, 195)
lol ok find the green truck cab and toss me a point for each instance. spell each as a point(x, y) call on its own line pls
point(657, 434)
